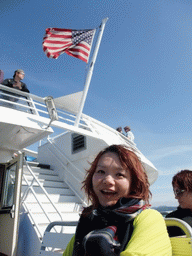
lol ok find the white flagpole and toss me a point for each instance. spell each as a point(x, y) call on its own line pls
point(90, 72)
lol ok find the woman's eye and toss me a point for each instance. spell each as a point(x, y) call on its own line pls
point(100, 171)
point(120, 174)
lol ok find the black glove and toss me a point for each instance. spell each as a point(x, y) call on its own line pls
point(101, 243)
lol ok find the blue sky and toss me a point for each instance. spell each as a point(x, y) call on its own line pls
point(142, 76)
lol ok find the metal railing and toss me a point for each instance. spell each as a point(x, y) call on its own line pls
point(30, 189)
point(35, 105)
point(32, 104)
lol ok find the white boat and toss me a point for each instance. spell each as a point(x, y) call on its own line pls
point(36, 193)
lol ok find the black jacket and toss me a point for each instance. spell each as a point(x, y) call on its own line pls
point(10, 82)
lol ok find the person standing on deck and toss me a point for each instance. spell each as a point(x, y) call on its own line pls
point(129, 134)
point(119, 129)
point(16, 83)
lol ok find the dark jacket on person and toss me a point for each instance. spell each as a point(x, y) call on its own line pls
point(10, 82)
point(182, 214)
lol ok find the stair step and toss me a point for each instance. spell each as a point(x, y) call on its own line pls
point(36, 164)
point(54, 198)
point(50, 190)
point(62, 207)
point(47, 183)
point(39, 170)
point(43, 177)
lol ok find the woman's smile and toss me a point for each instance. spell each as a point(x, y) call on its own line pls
point(110, 180)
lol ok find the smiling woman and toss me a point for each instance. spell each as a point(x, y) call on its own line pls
point(119, 165)
point(118, 221)
point(110, 180)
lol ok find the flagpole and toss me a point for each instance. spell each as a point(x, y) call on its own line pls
point(90, 72)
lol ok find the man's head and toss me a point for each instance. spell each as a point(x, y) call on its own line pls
point(19, 73)
point(119, 129)
point(127, 129)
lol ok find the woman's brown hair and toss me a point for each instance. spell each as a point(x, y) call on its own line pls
point(130, 161)
point(183, 180)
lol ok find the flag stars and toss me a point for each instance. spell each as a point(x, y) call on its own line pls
point(82, 35)
point(76, 43)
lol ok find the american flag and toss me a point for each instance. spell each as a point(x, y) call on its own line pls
point(76, 43)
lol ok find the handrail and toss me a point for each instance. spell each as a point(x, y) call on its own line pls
point(15, 96)
point(35, 223)
point(30, 187)
point(45, 192)
point(30, 152)
point(38, 106)
point(32, 190)
point(174, 222)
point(12, 178)
point(26, 94)
point(64, 116)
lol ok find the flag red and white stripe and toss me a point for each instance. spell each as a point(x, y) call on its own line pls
point(76, 43)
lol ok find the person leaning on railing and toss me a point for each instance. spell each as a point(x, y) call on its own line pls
point(16, 83)
point(182, 187)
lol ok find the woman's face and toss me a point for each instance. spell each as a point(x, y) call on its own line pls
point(110, 180)
point(184, 199)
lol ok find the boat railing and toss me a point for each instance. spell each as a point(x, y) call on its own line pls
point(30, 185)
point(101, 128)
point(11, 99)
point(35, 105)
point(94, 124)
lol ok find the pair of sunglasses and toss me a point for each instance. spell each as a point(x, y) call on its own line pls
point(178, 192)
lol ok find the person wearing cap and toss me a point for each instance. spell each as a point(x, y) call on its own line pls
point(129, 134)
point(16, 83)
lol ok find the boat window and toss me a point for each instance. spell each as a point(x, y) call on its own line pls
point(78, 143)
point(9, 186)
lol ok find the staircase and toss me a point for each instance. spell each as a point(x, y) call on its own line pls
point(54, 201)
